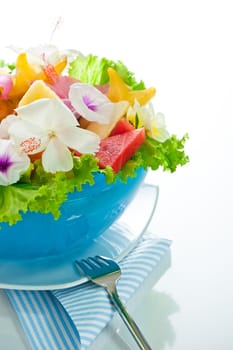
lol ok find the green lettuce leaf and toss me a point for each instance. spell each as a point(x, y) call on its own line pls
point(168, 155)
point(14, 200)
point(153, 155)
point(3, 64)
point(45, 192)
point(93, 70)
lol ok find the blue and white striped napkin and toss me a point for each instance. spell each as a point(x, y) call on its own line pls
point(62, 319)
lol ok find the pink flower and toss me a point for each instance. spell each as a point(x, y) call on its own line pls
point(6, 85)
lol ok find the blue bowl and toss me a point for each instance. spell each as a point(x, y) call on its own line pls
point(84, 216)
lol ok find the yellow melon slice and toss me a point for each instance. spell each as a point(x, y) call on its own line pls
point(36, 91)
point(104, 130)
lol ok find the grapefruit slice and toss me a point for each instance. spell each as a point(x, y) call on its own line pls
point(122, 126)
point(116, 150)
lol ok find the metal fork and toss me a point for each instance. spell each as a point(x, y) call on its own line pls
point(106, 272)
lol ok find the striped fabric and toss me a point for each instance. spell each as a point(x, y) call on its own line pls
point(46, 323)
point(60, 319)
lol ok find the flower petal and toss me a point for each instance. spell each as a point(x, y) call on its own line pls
point(160, 135)
point(79, 139)
point(28, 137)
point(36, 112)
point(49, 114)
point(12, 163)
point(104, 131)
point(136, 114)
point(156, 126)
point(160, 120)
point(62, 115)
point(38, 55)
point(44, 54)
point(91, 103)
point(6, 85)
point(56, 157)
point(5, 125)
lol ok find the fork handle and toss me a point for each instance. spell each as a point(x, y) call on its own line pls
point(130, 323)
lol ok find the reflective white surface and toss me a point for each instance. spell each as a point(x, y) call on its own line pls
point(185, 49)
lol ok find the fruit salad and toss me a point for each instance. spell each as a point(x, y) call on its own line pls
point(65, 117)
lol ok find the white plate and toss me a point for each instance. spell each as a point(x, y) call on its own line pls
point(60, 272)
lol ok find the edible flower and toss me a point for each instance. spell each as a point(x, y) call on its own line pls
point(119, 91)
point(6, 85)
point(5, 125)
point(144, 116)
point(38, 63)
point(12, 163)
point(94, 106)
point(48, 126)
point(42, 55)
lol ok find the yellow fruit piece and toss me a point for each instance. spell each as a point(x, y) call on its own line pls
point(7, 107)
point(60, 66)
point(37, 90)
point(119, 91)
point(25, 74)
point(104, 130)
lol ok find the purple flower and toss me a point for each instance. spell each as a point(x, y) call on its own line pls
point(89, 103)
point(94, 106)
point(12, 163)
point(5, 163)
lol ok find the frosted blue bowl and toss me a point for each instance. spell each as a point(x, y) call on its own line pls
point(84, 216)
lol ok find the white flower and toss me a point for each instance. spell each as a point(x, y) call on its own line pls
point(5, 125)
point(145, 117)
point(156, 127)
point(48, 126)
point(12, 163)
point(42, 54)
point(93, 105)
point(135, 114)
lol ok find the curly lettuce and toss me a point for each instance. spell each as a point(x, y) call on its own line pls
point(45, 192)
point(93, 70)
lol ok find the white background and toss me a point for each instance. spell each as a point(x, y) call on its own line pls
point(184, 49)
